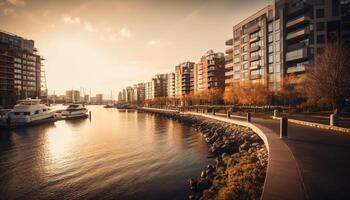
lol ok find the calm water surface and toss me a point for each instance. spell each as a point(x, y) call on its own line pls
point(116, 155)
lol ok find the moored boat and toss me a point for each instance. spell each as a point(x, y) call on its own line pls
point(75, 111)
point(27, 112)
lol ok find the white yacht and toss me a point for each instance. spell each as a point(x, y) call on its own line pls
point(75, 111)
point(30, 111)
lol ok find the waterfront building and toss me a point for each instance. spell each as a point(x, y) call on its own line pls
point(247, 56)
point(157, 87)
point(306, 27)
point(209, 72)
point(86, 98)
point(140, 90)
point(72, 96)
point(120, 97)
point(283, 39)
point(99, 99)
point(171, 84)
point(184, 80)
point(20, 69)
point(148, 90)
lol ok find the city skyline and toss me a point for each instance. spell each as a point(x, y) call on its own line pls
point(103, 50)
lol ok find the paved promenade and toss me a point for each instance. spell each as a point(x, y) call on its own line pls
point(323, 157)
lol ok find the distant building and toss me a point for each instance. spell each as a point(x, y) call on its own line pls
point(99, 99)
point(20, 69)
point(171, 84)
point(72, 96)
point(120, 97)
point(184, 80)
point(148, 90)
point(209, 72)
point(139, 92)
point(86, 98)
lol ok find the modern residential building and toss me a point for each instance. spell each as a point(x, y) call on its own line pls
point(20, 69)
point(247, 56)
point(157, 87)
point(283, 38)
point(184, 80)
point(120, 97)
point(72, 96)
point(138, 93)
point(148, 90)
point(306, 27)
point(86, 98)
point(209, 72)
point(171, 84)
point(99, 98)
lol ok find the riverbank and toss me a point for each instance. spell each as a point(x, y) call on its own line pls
point(241, 159)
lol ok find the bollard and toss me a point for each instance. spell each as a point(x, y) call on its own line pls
point(333, 120)
point(213, 111)
point(249, 117)
point(90, 115)
point(283, 127)
point(275, 113)
point(228, 114)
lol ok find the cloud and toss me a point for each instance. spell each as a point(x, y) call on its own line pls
point(124, 33)
point(88, 27)
point(16, 2)
point(70, 20)
point(153, 42)
point(8, 11)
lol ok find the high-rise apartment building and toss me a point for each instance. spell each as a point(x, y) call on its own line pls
point(247, 56)
point(99, 98)
point(138, 93)
point(282, 39)
point(209, 72)
point(20, 69)
point(72, 96)
point(171, 84)
point(307, 26)
point(184, 80)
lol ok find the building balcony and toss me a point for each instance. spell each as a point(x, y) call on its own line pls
point(254, 28)
point(255, 67)
point(301, 7)
point(255, 76)
point(298, 34)
point(228, 58)
point(229, 50)
point(297, 54)
point(254, 39)
point(229, 64)
point(296, 69)
point(297, 21)
point(211, 62)
point(229, 73)
point(229, 42)
point(257, 57)
point(255, 48)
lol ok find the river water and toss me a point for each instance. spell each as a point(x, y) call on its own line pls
point(115, 155)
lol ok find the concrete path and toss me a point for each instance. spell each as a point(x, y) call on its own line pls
point(323, 157)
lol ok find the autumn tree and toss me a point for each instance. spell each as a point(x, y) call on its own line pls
point(291, 90)
point(328, 79)
point(231, 93)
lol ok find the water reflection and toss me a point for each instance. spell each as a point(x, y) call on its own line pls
point(118, 155)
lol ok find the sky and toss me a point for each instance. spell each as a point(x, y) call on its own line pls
point(106, 45)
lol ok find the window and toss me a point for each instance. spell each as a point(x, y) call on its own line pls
point(245, 39)
point(278, 57)
point(271, 66)
point(320, 13)
point(245, 57)
point(245, 75)
point(335, 7)
point(320, 39)
point(270, 48)
point(320, 26)
point(26, 113)
point(278, 47)
point(277, 36)
point(278, 67)
point(245, 48)
point(36, 112)
point(271, 58)
point(246, 66)
point(256, 53)
point(270, 38)
point(271, 78)
point(270, 27)
point(277, 24)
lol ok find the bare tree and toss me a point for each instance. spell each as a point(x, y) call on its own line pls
point(328, 79)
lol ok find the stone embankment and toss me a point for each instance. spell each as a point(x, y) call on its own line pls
point(241, 159)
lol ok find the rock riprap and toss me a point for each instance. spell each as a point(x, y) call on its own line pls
point(241, 159)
